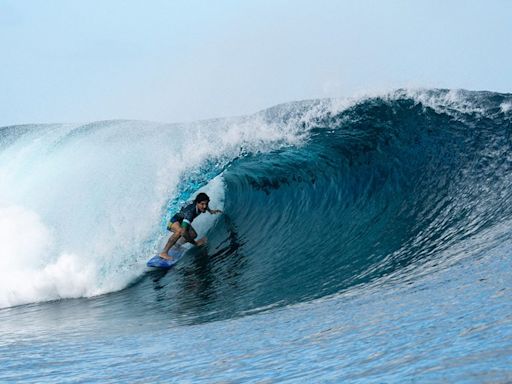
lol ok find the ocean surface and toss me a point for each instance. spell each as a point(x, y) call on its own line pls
point(363, 240)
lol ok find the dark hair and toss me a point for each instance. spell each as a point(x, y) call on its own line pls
point(201, 197)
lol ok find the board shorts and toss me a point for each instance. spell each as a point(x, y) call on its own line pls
point(177, 218)
point(173, 220)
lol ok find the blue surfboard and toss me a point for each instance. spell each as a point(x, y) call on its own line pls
point(158, 262)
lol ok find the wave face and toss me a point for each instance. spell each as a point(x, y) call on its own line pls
point(320, 197)
point(389, 187)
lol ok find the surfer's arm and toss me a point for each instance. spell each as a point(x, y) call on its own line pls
point(213, 211)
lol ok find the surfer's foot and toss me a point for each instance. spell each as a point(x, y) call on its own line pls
point(165, 256)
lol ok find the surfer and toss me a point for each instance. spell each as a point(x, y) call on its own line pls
point(181, 223)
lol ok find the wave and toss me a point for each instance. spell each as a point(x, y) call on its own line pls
point(388, 186)
point(319, 196)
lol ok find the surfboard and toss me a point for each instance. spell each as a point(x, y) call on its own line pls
point(157, 262)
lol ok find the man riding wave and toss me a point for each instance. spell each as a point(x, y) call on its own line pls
point(181, 223)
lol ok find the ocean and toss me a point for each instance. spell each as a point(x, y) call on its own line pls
point(363, 240)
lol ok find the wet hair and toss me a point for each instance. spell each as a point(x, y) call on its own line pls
point(201, 197)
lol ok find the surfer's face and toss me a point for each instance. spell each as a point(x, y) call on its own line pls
point(202, 206)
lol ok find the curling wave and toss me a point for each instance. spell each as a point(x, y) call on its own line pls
point(320, 196)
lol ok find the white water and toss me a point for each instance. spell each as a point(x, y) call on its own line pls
point(81, 207)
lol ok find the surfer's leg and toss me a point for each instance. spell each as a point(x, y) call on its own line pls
point(193, 235)
point(177, 231)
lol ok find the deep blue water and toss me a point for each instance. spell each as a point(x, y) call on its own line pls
point(363, 240)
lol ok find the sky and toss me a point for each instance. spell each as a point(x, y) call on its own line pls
point(72, 61)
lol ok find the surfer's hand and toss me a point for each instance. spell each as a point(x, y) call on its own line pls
point(202, 241)
point(216, 211)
